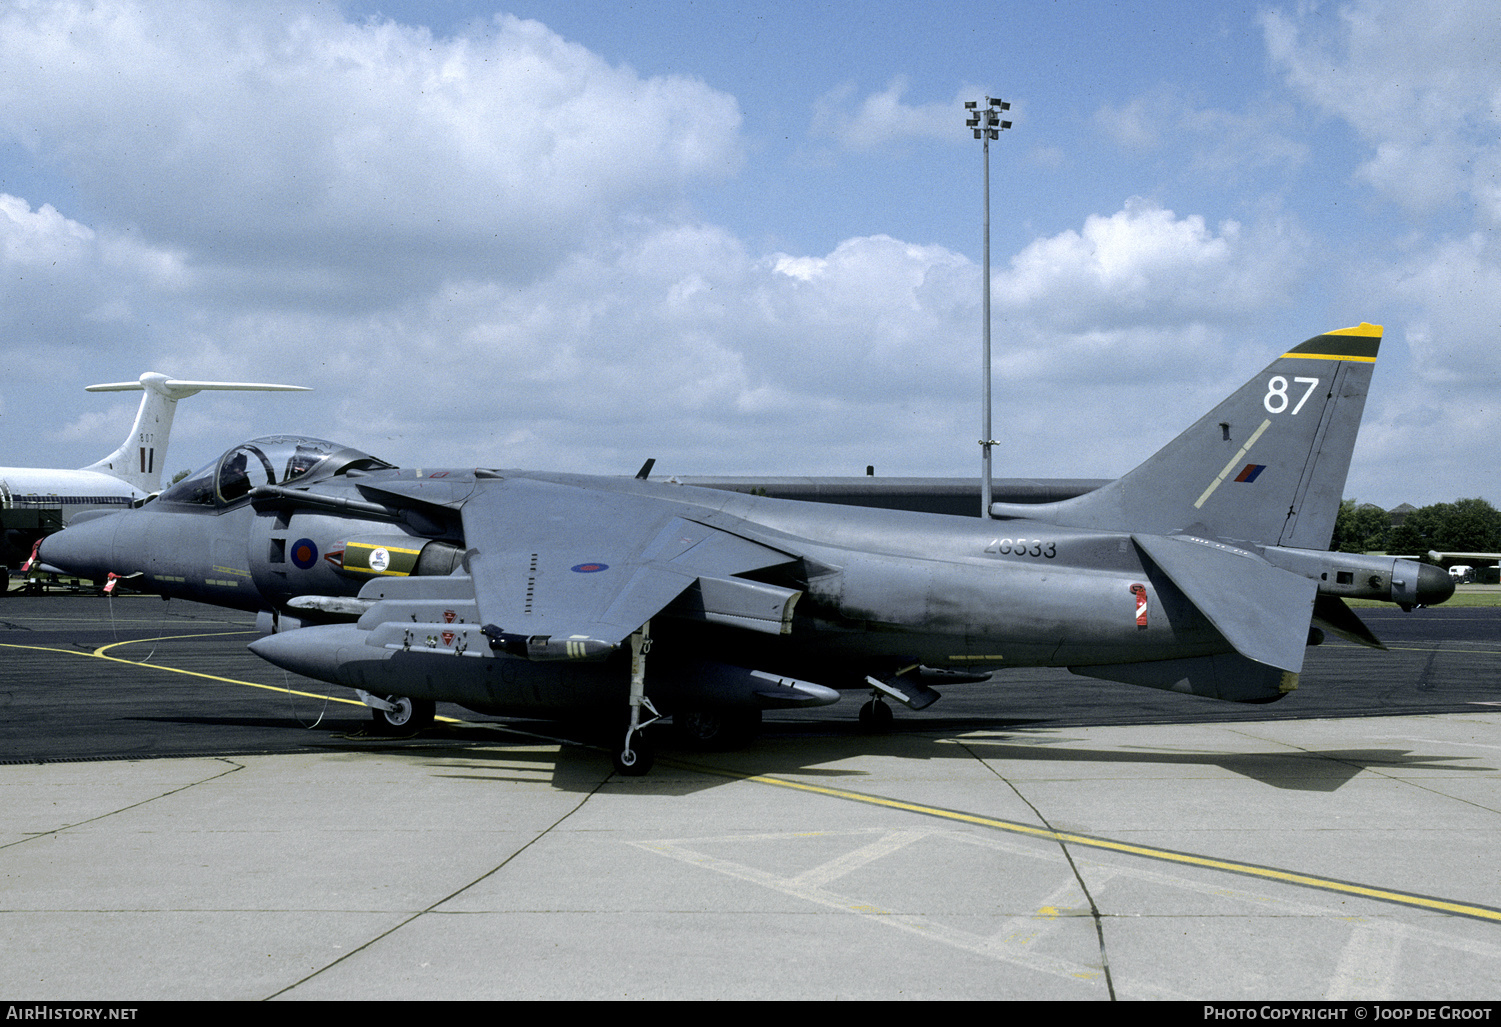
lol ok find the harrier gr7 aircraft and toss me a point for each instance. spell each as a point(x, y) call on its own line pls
point(1205, 570)
point(126, 476)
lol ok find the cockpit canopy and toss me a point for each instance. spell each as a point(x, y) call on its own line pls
point(269, 460)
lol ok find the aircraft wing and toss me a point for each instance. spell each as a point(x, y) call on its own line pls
point(566, 572)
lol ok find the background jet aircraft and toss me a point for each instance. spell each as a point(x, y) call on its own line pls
point(1204, 570)
point(126, 476)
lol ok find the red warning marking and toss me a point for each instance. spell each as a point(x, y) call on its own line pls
point(1140, 592)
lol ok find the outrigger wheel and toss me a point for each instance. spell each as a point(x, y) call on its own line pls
point(875, 716)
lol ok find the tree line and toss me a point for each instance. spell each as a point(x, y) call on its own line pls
point(1463, 526)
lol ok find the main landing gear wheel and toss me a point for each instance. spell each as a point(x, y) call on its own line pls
point(875, 716)
point(409, 716)
point(635, 760)
point(635, 756)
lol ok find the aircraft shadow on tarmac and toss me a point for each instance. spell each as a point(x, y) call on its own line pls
point(497, 752)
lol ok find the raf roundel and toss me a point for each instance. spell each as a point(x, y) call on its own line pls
point(589, 568)
point(304, 553)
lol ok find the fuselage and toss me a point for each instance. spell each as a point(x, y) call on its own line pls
point(878, 585)
point(35, 488)
point(473, 585)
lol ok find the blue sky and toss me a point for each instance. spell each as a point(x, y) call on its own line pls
point(746, 239)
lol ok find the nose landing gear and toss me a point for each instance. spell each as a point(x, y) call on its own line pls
point(398, 714)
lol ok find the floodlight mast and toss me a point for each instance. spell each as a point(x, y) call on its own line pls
point(987, 125)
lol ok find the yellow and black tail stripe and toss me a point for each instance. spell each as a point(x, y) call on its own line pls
point(1358, 343)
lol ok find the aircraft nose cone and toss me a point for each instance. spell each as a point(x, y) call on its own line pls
point(85, 547)
point(318, 652)
point(1434, 585)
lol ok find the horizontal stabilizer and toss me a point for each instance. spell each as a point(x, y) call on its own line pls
point(182, 388)
point(1261, 610)
point(1227, 676)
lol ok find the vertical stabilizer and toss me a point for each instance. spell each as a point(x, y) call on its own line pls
point(139, 459)
point(1267, 465)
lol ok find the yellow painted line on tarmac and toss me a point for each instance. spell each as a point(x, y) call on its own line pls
point(1413, 649)
point(162, 638)
point(1327, 884)
point(99, 654)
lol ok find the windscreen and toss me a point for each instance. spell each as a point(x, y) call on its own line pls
point(272, 460)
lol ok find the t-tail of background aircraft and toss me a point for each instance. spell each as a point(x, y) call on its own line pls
point(139, 459)
point(35, 501)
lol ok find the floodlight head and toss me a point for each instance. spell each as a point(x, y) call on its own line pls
point(969, 105)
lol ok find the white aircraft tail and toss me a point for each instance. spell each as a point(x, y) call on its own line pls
point(140, 457)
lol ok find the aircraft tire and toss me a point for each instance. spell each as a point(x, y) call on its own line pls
point(876, 717)
point(715, 730)
point(409, 717)
point(641, 758)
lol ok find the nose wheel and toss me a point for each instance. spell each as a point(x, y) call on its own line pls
point(398, 714)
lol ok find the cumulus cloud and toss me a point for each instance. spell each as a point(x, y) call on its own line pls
point(1417, 80)
point(1135, 125)
point(66, 287)
point(1457, 284)
point(1221, 143)
point(675, 341)
point(883, 118)
point(1418, 83)
point(237, 128)
point(473, 246)
point(1144, 264)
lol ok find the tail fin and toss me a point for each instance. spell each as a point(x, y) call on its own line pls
point(1267, 465)
point(139, 459)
